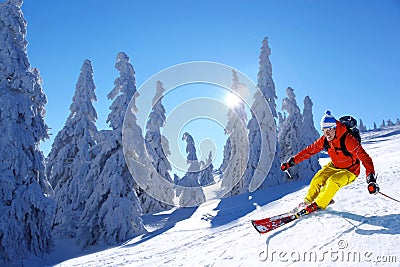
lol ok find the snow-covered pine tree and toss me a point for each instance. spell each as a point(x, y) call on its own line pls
point(236, 129)
point(189, 191)
point(265, 82)
point(289, 136)
point(308, 135)
point(362, 127)
point(206, 176)
point(281, 119)
point(226, 155)
point(375, 127)
point(26, 214)
point(112, 210)
point(39, 101)
point(266, 86)
point(153, 134)
point(69, 160)
point(157, 146)
point(274, 176)
point(139, 161)
point(176, 179)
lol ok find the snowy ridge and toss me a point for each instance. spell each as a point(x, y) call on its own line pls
point(359, 229)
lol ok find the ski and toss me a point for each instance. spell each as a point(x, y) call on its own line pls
point(268, 224)
point(271, 223)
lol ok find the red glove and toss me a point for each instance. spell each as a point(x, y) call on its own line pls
point(288, 164)
point(373, 188)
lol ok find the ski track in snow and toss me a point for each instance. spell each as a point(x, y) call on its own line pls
point(359, 229)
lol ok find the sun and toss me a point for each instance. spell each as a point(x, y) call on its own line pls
point(232, 100)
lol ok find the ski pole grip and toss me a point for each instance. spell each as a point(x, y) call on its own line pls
point(373, 188)
point(285, 166)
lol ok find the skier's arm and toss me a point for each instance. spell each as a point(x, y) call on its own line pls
point(309, 151)
point(356, 149)
point(366, 161)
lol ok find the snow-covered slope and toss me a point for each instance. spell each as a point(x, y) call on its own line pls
point(359, 229)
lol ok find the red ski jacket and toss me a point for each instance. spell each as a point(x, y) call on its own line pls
point(339, 160)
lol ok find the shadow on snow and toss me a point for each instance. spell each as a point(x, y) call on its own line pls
point(233, 208)
point(388, 223)
point(168, 221)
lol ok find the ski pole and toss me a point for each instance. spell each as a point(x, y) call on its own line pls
point(388, 196)
point(288, 173)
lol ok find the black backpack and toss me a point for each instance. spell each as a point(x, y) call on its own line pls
point(351, 125)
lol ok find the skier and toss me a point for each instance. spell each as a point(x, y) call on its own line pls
point(340, 171)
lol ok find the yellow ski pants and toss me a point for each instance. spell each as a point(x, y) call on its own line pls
point(326, 182)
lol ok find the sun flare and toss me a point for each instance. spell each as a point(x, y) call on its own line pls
point(232, 100)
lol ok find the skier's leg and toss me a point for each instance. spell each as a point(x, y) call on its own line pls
point(318, 181)
point(339, 179)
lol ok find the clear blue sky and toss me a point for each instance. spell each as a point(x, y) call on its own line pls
point(344, 54)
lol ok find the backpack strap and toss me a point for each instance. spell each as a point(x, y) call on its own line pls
point(326, 144)
point(343, 145)
point(344, 148)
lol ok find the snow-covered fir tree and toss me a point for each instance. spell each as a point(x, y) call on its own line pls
point(267, 87)
point(69, 160)
point(257, 166)
point(375, 127)
point(112, 210)
point(138, 158)
point(362, 127)
point(157, 146)
point(308, 134)
point(39, 102)
point(176, 178)
point(281, 119)
point(383, 124)
point(189, 190)
point(206, 176)
point(237, 132)
point(290, 135)
point(265, 82)
point(257, 169)
point(226, 155)
point(26, 214)
point(155, 140)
